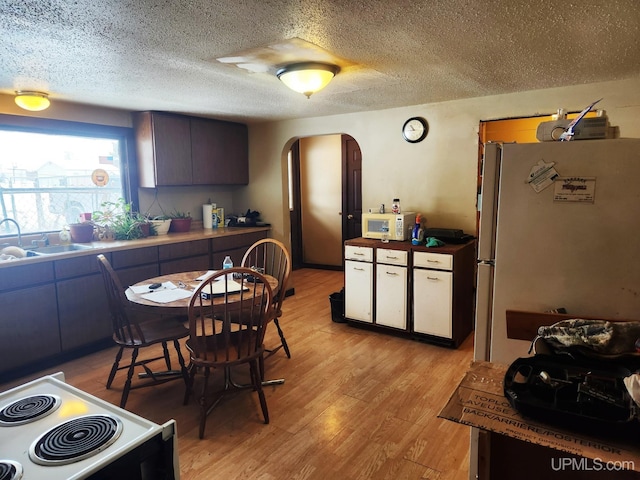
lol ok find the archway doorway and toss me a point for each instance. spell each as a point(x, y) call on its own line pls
point(325, 192)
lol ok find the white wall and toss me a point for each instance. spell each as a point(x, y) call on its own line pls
point(437, 176)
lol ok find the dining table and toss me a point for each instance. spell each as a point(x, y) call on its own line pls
point(175, 290)
point(172, 294)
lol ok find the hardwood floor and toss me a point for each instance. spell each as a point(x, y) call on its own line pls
point(356, 404)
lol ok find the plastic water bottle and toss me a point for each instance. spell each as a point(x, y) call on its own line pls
point(227, 263)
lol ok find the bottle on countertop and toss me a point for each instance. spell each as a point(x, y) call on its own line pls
point(417, 235)
point(395, 206)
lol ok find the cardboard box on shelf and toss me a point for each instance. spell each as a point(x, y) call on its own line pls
point(479, 401)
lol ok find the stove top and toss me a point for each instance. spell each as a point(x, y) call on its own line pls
point(52, 430)
point(28, 409)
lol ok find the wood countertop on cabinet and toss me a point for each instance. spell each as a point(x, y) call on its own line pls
point(407, 246)
point(116, 245)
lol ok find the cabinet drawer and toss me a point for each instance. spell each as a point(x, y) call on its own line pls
point(362, 254)
point(183, 249)
point(131, 258)
point(392, 257)
point(78, 266)
point(12, 278)
point(439, 261)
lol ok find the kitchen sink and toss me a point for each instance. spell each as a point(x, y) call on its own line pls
point(51, 249)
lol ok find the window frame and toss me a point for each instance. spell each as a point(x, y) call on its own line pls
point(125, 135)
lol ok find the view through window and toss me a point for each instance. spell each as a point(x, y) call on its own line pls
point(48, 180)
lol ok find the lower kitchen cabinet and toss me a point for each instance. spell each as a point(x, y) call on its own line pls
point(184, 257)
point(425, 292)
point(83, 312)
point(443, 293)
point(58, 309)
point(29, 326)
point(235, 246)
point(358, 287)
point(433, 302)
point(391, 288)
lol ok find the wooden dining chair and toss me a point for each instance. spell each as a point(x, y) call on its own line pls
point(227, 322)
point(272, 258)
point(129, 333)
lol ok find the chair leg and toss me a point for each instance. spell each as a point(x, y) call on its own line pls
point(191, 375)
point(282, 339)
point(127, 384)
point(183, 368)
point(261, 366)
point(256, 378)
point(203, 402)
point(114, 368)
point(167, 359)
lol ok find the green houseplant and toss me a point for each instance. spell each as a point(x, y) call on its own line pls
point(117, 220)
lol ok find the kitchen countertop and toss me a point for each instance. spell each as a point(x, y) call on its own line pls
point(115, 245)
point(406, 245)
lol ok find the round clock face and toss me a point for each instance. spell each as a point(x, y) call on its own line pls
point(415, 129)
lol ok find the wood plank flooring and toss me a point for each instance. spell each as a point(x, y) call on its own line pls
point(356, 404)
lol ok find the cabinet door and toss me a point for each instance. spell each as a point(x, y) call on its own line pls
point(29, 326)
point(358, 290)
point(432, 302)
point(84, 312)
point(172, 147)
point(219, 152)
point(163, 144)
point(391, 296)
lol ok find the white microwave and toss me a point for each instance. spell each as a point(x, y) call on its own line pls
point(397, 226)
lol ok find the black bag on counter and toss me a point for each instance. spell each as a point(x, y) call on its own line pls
point(580, 394)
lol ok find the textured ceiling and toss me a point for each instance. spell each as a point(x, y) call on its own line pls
point(161, 54)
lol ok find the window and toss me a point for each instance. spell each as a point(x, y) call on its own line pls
point(52, 171)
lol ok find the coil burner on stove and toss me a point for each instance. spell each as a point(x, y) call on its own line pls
point(10, 470)
point(75, 440)
point(28, 409)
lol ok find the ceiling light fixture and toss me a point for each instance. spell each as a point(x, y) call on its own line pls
point(307, 77)
point(32, 101)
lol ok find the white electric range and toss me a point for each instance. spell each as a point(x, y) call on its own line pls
point(52, 430)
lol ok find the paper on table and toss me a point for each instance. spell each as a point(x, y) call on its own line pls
point(204, 276)
point(166, 296)
point(145, 288)
point(218, 288)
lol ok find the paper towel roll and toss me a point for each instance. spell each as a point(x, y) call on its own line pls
point(207, 210)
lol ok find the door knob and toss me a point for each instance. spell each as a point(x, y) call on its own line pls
point(350, 217)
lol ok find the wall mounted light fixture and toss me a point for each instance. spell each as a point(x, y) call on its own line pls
point(307, 77)
point(32, 101)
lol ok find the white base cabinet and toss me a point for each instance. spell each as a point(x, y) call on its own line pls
point(427, 293)
point(433, 302)
point(391, 288)
point(358, 283)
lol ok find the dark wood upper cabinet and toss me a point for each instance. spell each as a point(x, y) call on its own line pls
point(163, 144)
point(181, 150)
point(220, 152)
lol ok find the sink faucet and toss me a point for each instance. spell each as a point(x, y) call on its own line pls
point(17, 226)
point(42, 242)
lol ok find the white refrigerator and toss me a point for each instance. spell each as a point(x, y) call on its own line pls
point(559, 227)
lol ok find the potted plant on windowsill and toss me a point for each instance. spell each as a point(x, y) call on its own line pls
point(117, 221)
point(180, 221)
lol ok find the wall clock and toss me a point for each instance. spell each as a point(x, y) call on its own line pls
point(415, 129)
